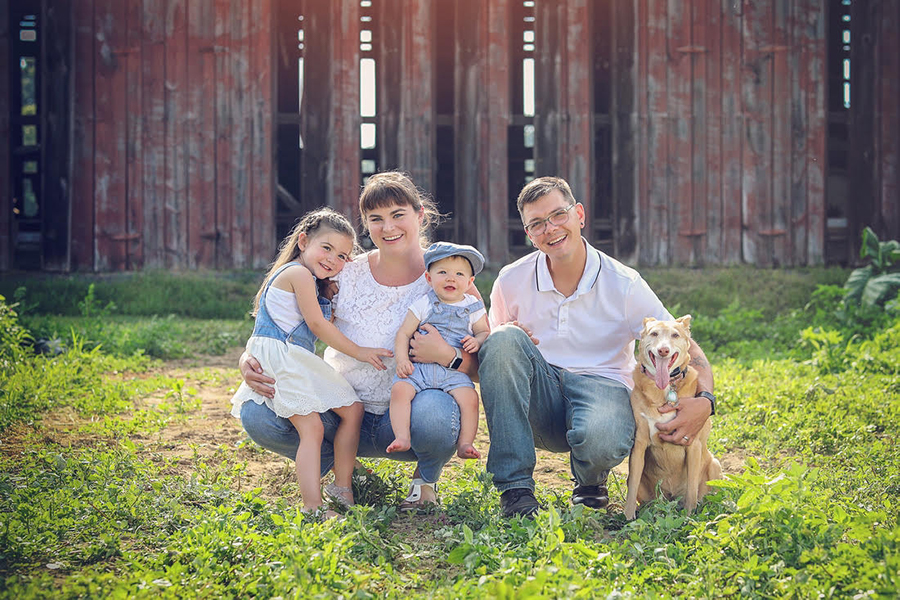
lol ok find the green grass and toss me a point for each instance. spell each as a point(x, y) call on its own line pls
point(95, 509)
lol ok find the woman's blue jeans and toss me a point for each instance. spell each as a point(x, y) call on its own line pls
point(531, 404)
point(434, 427)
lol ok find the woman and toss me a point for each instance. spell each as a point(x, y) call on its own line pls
point(375, 290)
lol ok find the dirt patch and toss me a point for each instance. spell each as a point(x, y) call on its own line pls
point(208, 433)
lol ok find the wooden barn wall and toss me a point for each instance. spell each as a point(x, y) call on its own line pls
point(5, 182)
point(874, 122)
point(731, 148)
point(173, 156)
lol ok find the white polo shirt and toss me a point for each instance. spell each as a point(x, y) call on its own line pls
point(590, 332)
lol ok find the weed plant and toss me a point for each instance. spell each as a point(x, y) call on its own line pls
point(809, 508)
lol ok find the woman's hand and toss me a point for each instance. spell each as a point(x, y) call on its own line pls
point(373, 356)
point(252, 373)
point(430, 347)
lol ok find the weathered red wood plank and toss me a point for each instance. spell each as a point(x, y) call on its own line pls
point(642, 221)
point(757, 146)
point(703, 120)
point(224, 191)
point(153, 132)
point(680, 147)
point(576, 148)
point(889, 109)
point(655, 229)
point(802, 46)
point(82, 243)
point(625, 132)
point(109, 143)
point(549, 62)
point(707, 33)
point(238, 161)
point(262, 165)
point(392, 37)
point(493, 238)
point(344, 160)
point(416, 119)
point(467, 107)
point(134, 176)
point(202, 234)
point(317, 106)
point(816, 128)
point(5, 182)
point(781, 246)
point(730, 246)
point(176, 209)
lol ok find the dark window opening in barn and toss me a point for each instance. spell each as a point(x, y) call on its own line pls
point(368, 91)
point(600, 210)
point(521, 143)
point(444, 107)
point(291, 42)
point(25, 139)
point(837, 188)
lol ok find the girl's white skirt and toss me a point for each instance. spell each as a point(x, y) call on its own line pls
point(304, 383)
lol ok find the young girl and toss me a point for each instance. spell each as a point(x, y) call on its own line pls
point(291, 312)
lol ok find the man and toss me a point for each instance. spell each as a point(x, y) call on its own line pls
point(556, 370)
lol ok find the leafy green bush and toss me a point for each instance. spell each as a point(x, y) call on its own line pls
point(879, 281)
point(13, 337)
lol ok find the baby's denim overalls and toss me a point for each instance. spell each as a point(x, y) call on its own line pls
point(452, 322)
point(300, 335)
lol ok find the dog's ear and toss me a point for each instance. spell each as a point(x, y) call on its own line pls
point(685, 322)
point(648, 321)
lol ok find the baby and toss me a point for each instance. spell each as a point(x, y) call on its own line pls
point(461, 320)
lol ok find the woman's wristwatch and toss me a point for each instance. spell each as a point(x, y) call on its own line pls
point(456, 363)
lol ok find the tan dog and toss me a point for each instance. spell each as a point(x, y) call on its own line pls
point(664, 375)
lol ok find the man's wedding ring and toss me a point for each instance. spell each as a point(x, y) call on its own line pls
point(686, 438)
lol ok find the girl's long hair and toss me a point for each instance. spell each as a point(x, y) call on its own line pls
point(310, 224)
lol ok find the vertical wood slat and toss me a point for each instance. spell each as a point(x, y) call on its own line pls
point(576, 147)
point(416, 134)
point(680, 150)
point(110, 229)
point(548, 62)
point(780, 246)
point(153, 132)
point(493, 238)
point(316, 104)
point(654, 247)
point(467, 110)
point(241, 223)
point(262, 166)
point(344, 157)
point(82, 242)
point(224, 188)
point(134, 149)
point(55, 137)
point(703, 119)
point(889, 111)
point(202, 233)
point(708, 34)
point(756, 93)
point(390, 27)
point(5, 180)
point(625, 130)
point(177, 214)
point(733, 121)
point(643, 250)
point(816, 129)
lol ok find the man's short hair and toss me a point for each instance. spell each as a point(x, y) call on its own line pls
point(536, 189)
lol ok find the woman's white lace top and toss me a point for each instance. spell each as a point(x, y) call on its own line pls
point(370, 314)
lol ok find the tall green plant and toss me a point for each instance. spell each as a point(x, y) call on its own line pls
point(879, 281)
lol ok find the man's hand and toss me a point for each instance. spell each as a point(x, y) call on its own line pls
point(430, 347)
point(692, 415)
point(528, 331)
point(252, 373)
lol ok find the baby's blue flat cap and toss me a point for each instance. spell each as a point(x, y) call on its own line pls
point(440, 250)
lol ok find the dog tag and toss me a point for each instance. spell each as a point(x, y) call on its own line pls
point(672, 397)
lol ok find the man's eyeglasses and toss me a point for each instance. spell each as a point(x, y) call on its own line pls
point(557, 217)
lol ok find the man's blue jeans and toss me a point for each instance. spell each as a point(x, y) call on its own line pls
point(434, 427)
point(531, 404)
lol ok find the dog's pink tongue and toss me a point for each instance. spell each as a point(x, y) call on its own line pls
point(662, 374)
